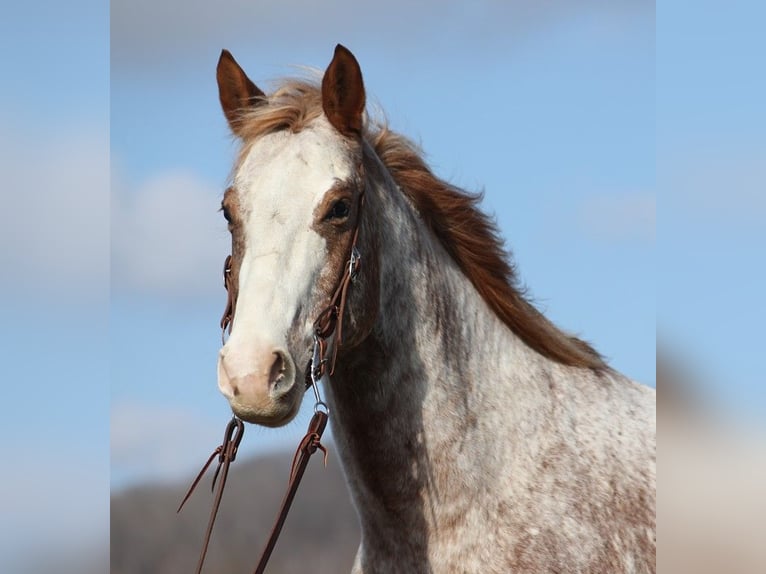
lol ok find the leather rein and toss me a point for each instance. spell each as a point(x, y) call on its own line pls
point(328, 336)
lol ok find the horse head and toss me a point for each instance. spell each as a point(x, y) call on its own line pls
point(294, 211)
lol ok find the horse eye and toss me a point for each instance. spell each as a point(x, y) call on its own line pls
point(339, 210)
point(226, 214)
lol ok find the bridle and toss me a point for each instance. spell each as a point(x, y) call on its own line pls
point(328, 337)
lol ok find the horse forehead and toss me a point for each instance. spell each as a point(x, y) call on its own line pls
point(293, 168)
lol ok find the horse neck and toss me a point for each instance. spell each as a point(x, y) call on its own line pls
point(413, 403)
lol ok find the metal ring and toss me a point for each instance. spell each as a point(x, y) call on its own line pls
point(323, 405)
point(353, 263)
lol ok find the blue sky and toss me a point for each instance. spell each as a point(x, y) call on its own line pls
point(559, 112)
point(54, 303)
point(712, 171)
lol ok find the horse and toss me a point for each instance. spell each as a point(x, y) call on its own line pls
point(475, 435)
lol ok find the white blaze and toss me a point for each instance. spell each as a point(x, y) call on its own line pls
point(280, 184)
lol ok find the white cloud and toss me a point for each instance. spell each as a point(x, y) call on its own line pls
point(619, 216)
point(721, 185)
point(157, 442)
point(168, 238)
point(54, 218)
point(152, 35)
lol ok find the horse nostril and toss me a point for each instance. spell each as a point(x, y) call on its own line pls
point(277, 368)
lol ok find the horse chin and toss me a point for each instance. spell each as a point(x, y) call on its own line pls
point(274, 413)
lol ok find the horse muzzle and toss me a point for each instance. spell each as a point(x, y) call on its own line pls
point(260, 385)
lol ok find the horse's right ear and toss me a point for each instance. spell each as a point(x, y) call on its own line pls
point(235, 90)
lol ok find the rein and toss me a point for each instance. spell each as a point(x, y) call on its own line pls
point(328, 333)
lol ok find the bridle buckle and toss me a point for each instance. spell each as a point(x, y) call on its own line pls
point(354, 263)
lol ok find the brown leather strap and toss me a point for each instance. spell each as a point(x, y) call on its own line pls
point(226, 452)
point(331, 318)
point(308, 446)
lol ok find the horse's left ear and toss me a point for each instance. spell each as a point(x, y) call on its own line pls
point(343, 96)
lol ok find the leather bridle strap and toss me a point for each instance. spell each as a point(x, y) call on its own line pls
point(330, 320)
point(308, 446)
point(226, 452)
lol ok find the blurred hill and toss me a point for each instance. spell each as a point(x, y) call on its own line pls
point(321, 533)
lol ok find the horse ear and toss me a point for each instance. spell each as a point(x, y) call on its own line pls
point(235, 90)
point(343, 96)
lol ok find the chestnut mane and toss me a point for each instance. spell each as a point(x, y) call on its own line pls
point(469, 236)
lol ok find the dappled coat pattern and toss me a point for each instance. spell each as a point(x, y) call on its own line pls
point(475, 435)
